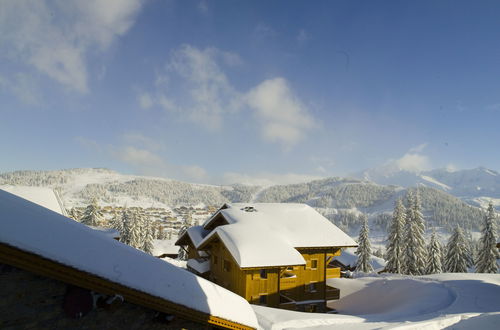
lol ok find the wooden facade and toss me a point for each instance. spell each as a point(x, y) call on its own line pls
point(292, 287)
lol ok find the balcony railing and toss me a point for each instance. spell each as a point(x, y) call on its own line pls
point(332, 293)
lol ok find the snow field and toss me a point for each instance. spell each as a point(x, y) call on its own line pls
point(459, 301)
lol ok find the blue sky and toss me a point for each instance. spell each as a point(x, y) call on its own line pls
point(249, 91)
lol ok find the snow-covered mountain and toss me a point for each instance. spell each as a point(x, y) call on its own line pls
point(339, 199)
point(466, 184)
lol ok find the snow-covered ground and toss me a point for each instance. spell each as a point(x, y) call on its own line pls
point(456, 301)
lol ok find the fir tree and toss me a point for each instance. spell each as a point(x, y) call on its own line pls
point(395, 241)
point(92, 215)
point(456, 253)
point(125, 225)
point(434, 256)
point(364, 249)
point(74, 214)
point(117, 222)
point(135, 239)
point(415, 252)
point(147, 239)
point(488, 253)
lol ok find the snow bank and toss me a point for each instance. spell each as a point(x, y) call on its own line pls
point(460, 301)
point(35, 229)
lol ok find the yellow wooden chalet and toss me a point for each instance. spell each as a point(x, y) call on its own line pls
point(271, 254)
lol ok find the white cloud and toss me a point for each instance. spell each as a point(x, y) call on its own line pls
point(413, 162)
point(205, 94)
point(283, 118)
point(140, 158)
point(55, 36)
point(203, 7)
point(418, 149)
point(264, 31)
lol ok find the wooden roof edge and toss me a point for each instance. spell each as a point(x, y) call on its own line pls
point(43, 266)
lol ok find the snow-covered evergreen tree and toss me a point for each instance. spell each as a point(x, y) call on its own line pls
point(364, 249)
point(488, 253)
point(415, 251)
point(147, 239)
point(135, 222)
point(74, 214)
point(456, 253)
point(117, 222)
point(125, 225)
point(434, 255)
point(395, 241)
point(92, 215)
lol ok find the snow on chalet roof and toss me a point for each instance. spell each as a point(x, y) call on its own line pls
point(267, 234)
point(35, 229)
point(164, 246)
point(45, 197)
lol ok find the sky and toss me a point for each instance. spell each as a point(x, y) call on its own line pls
point(249, 91)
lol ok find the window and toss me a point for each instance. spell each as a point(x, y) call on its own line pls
point(314, 263)
point(226, 266)
point(263, 300)
point(263, 273)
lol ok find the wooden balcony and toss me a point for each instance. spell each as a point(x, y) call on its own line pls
point(332, 293)
point(288, 283)
point(332, 272)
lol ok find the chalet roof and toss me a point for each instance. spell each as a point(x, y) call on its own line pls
point(164, 246)
point(268, 234)
point(32, 229)
point(195, 234)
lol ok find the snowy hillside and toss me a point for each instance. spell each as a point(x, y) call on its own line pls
point(339, 199)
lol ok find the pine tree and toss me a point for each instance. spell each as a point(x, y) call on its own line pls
point(147, 239)
point(125, 225)
point(92, 215)
point(488, 253)
point(456, 253)
point(117, 223)
point(74, 214)
point(364, 249)
point(395, 241)
point(135, 239)
point(434, 255)
point(415, 252)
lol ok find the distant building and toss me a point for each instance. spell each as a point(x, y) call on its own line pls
point(275, 255)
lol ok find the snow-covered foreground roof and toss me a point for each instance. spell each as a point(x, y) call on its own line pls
point(35, 229)
point(267, 234)
point(45, 197)
point(460, 301)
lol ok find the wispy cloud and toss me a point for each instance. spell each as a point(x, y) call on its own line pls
point(54, 37)
point(145, 156)
point(203, 94)
point(282, 116)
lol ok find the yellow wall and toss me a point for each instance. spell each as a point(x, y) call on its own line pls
point(307, 284)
